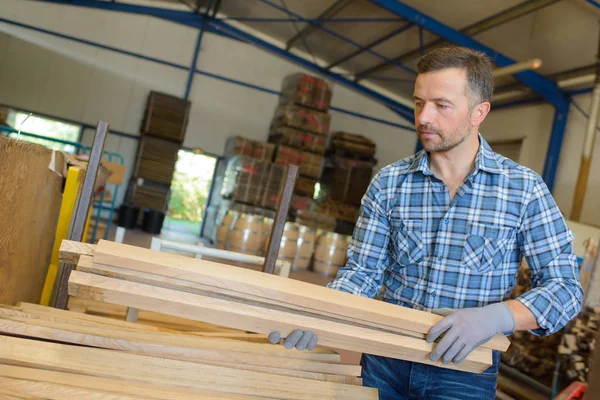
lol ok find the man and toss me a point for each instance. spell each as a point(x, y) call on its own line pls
point(445, 231)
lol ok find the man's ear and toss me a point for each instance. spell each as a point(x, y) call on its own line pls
point(480, 111)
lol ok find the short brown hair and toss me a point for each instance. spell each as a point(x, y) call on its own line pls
point(476, 63)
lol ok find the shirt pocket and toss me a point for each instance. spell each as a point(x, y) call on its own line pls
point(407, 241)
point(486, 246)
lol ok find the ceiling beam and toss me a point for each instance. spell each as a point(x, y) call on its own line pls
point(493, 21)
point(334, 9)
point(372, 44)
point(538, 83)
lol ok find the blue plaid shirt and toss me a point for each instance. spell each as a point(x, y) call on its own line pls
point(416, 248)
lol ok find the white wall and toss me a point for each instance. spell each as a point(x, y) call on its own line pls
point(534, 123)
point(79, 82)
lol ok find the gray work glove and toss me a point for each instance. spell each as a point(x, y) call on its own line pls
point(467, 329)
point(301, 340)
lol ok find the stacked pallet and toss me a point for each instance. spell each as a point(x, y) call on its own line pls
point(156, 160)
point(256, 302)
point(60, 354)
point(166, 117)
point(163, 132)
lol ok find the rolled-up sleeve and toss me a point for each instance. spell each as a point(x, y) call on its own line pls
point(547, 245)
point(368, 253)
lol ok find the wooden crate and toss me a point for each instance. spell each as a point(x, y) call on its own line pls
point(306, 90)
point(301, 118)
point(298, 139)
point(166, 117)
point(241, 146)
point(309, 164)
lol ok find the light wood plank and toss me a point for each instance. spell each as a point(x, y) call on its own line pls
point(86, 265)
point(294, 293)
point(195, 347)
point(131, 388)
point(110, 363)
point(53, 391)
point(70, 251)
point(262, 320)
point(70, 334)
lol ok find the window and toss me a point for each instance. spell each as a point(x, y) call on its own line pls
point(44, 127)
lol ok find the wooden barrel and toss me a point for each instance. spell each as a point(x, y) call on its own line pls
point(330, 253)
point(248, 235)
point(307, 237)
point(224, 228)
point(289, 242)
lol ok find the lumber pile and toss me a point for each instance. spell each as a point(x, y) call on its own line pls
point(577, 346)
point(156, 159)
point(55, 354)
point(241, 146)
point(166, 117)
point(530, 354)
point(261, 303)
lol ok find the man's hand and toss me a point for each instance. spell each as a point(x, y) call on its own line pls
point(301, 340)
point(467, 329)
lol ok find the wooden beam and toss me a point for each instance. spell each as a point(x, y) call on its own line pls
point(71, 333)
point(294, 293)
point(131, 388)
point(52, 391)
point(262, 320)
point(274, 355)
point(109, 363)
point(70, 251)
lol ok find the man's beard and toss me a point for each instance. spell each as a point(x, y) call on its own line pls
point(449, 141)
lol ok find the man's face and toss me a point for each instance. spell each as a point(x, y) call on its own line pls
point(442, 112)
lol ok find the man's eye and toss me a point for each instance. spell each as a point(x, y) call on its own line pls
point(442, 106)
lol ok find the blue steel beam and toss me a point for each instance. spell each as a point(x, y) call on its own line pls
point(222, 28)
point(338, 36)
point(371, 45)
point(538, 83)
point(313, 20)
point(405, 112)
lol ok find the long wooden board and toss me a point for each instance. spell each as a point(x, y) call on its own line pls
point(129, 388)
point(262, 320)
point(71, 333)
point(85, 265)
point(109, 363)
point(275, 355)
point(52, 391)
point(286, 291)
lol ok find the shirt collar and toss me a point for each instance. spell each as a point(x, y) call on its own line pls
point(486, 160)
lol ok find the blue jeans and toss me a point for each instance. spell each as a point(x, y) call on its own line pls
point(405, 380)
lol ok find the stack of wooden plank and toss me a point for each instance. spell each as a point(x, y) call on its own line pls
point(309, 163)
point(578, 344)
point(298, 139)
point(146, 194)
point(166, 117)
point(252, 301)
point(55, 354)
point(352, 145)
point(156, 159)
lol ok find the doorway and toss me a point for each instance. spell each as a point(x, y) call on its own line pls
point(189, 192)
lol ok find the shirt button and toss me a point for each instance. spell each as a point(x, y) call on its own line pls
point(446, 221)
